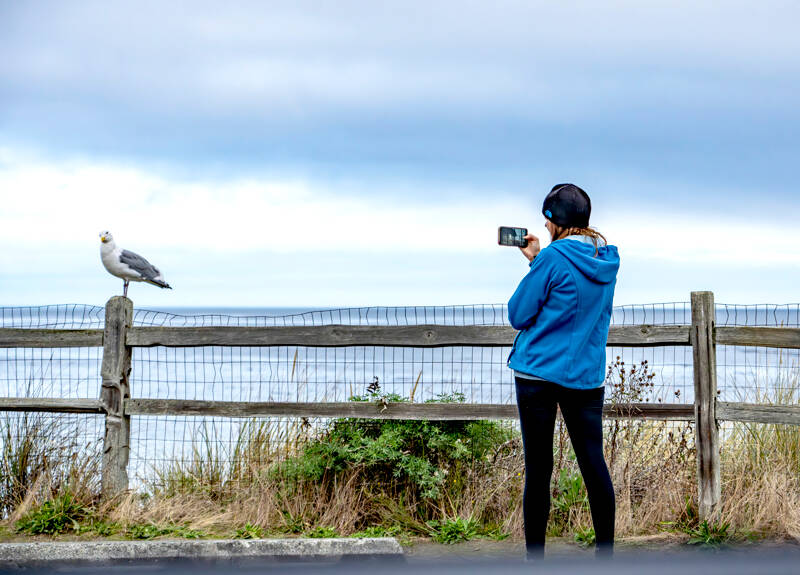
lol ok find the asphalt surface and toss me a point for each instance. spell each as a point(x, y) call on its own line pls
point(735, 561)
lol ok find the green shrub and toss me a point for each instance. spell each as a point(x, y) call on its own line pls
point(188, 533)
point(145, 531)
point(101, 528)
point(293, 523)
point(249, 531)
point(585, 536)
point(151, 530)
point(451, 531)
point(58, 515)
point(104, 529)
point(569, 496)
point(322, 533)
point(420, 454)
point(459, 529)
point(709, 534)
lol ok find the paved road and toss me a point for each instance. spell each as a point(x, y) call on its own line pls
point(743, 561)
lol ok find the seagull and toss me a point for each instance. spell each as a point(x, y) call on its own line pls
point(128, 265)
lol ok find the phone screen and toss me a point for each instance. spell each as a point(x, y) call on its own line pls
point(508, 236)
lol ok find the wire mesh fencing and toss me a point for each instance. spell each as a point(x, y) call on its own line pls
point(297, 374)
point(310, 374)
point(758, 374)
point(51, 372)
point(162, 444)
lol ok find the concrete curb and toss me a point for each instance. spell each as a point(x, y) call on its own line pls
point(101, 552)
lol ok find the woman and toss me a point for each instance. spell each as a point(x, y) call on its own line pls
point(562, 309)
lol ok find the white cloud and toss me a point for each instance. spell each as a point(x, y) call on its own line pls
point(295, 242)
point(66, 205)
point(681, 238)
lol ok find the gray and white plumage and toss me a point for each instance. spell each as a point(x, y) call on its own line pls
point(127, 265)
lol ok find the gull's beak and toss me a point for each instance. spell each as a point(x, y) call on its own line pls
point(103, 239)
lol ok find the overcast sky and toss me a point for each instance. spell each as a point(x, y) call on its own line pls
point(364, 153)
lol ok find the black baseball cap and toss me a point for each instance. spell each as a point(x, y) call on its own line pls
point(567, 206)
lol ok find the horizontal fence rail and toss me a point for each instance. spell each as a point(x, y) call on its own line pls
point(51, 405)
point(15, 337)
point(388, 410)
point(726, 411)
point(119, 337)
point(780, 337)
point(389, 336)
point(757, 413)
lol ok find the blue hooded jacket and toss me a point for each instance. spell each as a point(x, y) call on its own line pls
point(562, 308)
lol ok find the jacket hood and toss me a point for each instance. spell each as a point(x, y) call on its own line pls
point(601, 268)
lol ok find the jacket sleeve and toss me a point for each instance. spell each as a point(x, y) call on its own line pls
point(532, 292)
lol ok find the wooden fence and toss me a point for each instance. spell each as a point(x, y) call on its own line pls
point(119, 337)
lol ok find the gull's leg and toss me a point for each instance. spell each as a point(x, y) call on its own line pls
point(125, 289)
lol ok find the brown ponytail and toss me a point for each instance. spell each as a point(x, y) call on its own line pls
point(560, 233)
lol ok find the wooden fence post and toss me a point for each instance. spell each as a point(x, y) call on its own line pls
point(705, 397)
point(115, 370)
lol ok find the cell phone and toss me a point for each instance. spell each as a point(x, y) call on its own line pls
point(507, 236)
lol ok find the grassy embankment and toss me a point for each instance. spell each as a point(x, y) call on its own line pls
point(450, 481)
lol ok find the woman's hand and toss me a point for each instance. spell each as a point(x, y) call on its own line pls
point(532, 249)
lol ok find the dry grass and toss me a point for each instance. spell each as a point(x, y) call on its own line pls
point(653, 472)
point(652, 466)
point(216, 491)
point(246, 485)
point(44, 456)
point(761, 469)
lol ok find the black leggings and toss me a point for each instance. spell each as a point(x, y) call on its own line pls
point(582, 410)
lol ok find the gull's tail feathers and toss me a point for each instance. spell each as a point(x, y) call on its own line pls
point(160, 283)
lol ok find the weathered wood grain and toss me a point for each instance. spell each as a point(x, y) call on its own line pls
point(324, 336)
point(410, 336)
point(705, 394)
point(658, 411)
point(648, 335)
point(783, 337)
point(758, 413)
point(374, 410)
point(395, 336)
point(726, 411)
point(51, 405)
point(115, 371)
point(358, 409)
point(13, 337)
